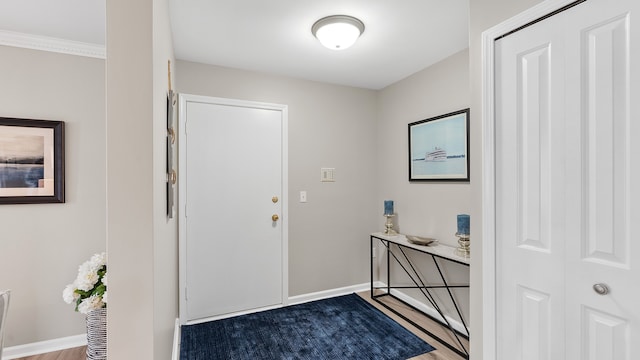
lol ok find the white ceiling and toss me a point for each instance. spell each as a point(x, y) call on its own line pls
point(401, 37)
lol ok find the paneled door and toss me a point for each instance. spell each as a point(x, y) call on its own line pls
point(567, 177)
point(232, 195)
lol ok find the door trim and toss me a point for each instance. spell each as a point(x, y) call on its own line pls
point(183, 99)
point(489, 311)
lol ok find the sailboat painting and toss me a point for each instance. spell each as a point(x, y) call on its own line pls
point(439, 148)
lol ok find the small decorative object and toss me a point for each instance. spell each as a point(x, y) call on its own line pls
point(172, 176)
point(463, 236)
point(419, 240)
point(89, 294)
point(439, 148)
point(31, 161)
point(388, 214)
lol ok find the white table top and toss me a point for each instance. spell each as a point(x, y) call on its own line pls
point(445, 251)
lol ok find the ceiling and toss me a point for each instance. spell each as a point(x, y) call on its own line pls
point(274, 36)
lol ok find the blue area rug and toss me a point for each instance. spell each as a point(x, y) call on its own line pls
point(344, 327)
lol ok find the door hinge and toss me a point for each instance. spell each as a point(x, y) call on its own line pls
point(186, 297)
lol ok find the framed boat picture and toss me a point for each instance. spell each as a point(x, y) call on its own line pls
point(439, 148)
point(31, 161)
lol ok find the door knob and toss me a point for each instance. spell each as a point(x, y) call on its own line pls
point(275, 217)
point(601, 289)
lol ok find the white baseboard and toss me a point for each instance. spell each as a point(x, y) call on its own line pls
point(299, 299)
point(18, 351)
point(293, 300)
point(175, 353)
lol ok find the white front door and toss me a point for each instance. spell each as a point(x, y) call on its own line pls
point(233, 199)
point(566, 265)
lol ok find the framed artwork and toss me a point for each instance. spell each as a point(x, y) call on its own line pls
point(31, 161)
point(439, 148)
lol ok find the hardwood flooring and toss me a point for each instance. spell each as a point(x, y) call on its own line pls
point(441, 352)
point(78, 353)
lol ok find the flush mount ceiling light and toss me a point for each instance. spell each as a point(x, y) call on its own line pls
point(337, 32)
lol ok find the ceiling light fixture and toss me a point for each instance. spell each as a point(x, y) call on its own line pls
point(337, 32)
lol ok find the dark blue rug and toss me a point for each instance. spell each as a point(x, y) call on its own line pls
point(344, 327)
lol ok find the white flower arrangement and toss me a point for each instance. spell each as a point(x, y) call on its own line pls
point(89, 290)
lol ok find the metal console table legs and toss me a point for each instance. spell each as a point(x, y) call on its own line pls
point(396, 247)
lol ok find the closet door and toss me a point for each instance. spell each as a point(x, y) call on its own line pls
point(530, 188)
point(565, 202)
point(603, 170)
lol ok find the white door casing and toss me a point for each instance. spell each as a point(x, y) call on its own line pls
point(233, 255)
point(562, 188)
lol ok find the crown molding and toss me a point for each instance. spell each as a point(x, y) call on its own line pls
point(44, 43)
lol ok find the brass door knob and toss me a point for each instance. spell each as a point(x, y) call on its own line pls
point(275, 217)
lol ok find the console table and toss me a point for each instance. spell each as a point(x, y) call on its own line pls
point(396, 247)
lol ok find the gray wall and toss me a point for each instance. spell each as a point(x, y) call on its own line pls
point(429, 208)
point(329, 126)
point(42, 245)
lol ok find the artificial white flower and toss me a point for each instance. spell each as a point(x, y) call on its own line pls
point(98, 260)
point(69, 294)
point(87, 277)
point(89, 304)
point(89, 290)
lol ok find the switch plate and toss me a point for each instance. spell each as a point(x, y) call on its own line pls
point(327, 174)
point(303, 196)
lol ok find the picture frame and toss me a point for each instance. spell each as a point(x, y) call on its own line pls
point(439, 148)
point(31, 161)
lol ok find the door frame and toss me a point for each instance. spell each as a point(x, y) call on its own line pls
point(183, 100)
point(489, 274)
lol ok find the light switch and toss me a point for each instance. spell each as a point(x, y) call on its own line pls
point(303, 196)
point(327, 174)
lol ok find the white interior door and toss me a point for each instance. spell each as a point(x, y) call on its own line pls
point(564, 196)
point(232, 194)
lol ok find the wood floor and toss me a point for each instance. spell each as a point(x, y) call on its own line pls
point(78, 353)
point(441, 352)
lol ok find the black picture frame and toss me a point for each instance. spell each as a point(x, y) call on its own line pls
point(439, 148)
point(31, 161)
